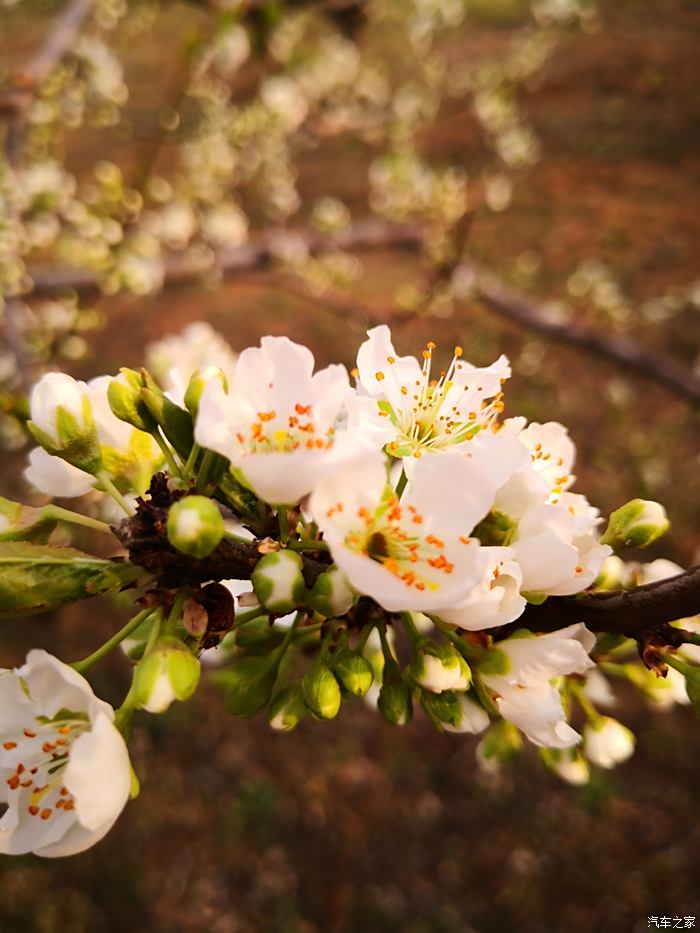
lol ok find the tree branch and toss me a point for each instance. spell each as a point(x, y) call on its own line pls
point(638, 613)
point(261, 255)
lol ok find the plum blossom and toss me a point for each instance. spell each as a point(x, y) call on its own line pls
point(518, 672)
point(552, 529)
point(414, 413)
point(607, 742)
point(279, 426)
point(64, 768)
point(412, 554)
point(174, 358)
point(496, 599)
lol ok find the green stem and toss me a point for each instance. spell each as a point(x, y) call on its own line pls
point(256, 613)
point(167, 453)
point(112, 490)
point(307, 546)
point(401, 485)
point(467, 651)
point(364, 636)
point(283, 519)
point(205, 469)
point(188, 471)
point(410, 626)
point(585, 704)
point(116, 639)
point(309, 630)
point(681, 666)
point(176, 611)
point(238, 539)
point(65, 515)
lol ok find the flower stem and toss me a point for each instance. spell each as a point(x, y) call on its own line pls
point(188, 471)
point(116, 639)
point(65, 515)
point(364, 636)
point(283, 518)
point(589, 709)
point(205, 469)
point(410, 626)
point(112, 490)
point(167, 453)
point(257, 612)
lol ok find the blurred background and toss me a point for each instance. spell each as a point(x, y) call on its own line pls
point(312, 169)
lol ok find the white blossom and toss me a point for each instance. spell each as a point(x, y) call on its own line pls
point(607, 742)
point(64, 768)
point(518, 672)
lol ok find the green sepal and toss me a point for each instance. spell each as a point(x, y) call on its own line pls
point(126, 402)
point(287, 708)
point(175, 422)
point(441, 708)
point(39, 578)
point(321, 691)
point(353, 671)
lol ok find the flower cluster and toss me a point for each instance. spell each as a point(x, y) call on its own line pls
point(316, 540)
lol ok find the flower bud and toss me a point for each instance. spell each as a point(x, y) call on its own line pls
point(353, 671)
point(607, 742)
point(613, 574)
point(168, 672)
point(195, 526)
point(197, 383)
point(332, 594)
point(567, 763)
point(394, 703)
point(472, 716)
point(63, 423)
point(321, 692)
point(500, 744)
point(441, 708)
point(440, 667)
point(287, 709)
point(278, 581)
point(124, 397)
point(638, 523)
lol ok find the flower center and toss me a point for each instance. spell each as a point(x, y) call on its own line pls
point(45, 750)
point(271, 432)
point(391, 536)
point(440, 412)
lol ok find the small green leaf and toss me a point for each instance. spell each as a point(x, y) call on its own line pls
point(39, 578)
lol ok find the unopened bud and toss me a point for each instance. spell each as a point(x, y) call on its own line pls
point(195, 526)
point(197, 383)
point(62, 421)
point(321, 692)
point(168, 672)
point(500, 744)
point(441, 708)
point(124, 397)
point(394, 703)
point(472, 716)
point(440, 667)
point(278, 581)
point(638, 523)
point(353, 671)
point(607, 742)
point(613, 574)
point(332, 594)
point(287, 709)
point(567, 763)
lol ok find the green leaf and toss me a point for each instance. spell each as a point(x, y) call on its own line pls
point(39, 578)
point(24, 523)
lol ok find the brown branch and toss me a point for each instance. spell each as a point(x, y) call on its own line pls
point(261, 255)
point(613, 348)
point(640, 613)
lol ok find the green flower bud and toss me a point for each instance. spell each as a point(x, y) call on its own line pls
point(567, 763)
point(638, 523)
point(442, 708)
point(613, 574)
point(395, 703)
point(501, 743)
point(63, 422)
point(175, 422)
point(278, 581)
point(197, 383)
point(287, 709)
point(124, 397)
point(195, 526)
point(168, 672)
point(332, 594)
point(440, 667)
point(353, 671)
point(321, 692)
